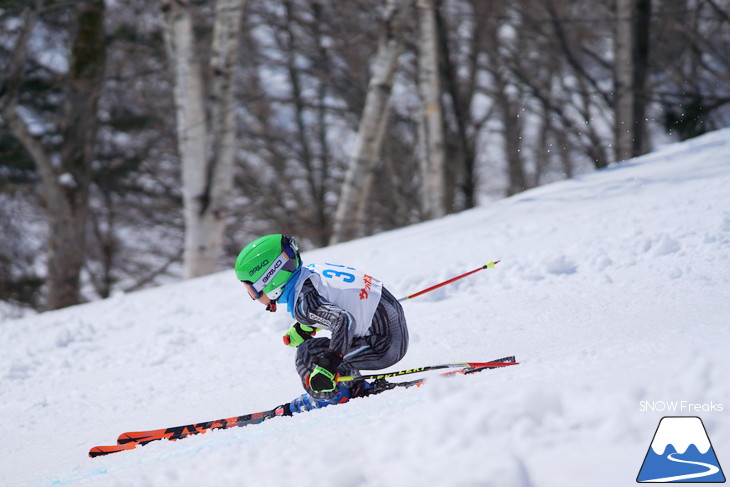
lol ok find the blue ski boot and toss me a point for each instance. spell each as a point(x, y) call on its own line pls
point(305, 402)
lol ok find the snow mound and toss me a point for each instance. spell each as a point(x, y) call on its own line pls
point(612, 291)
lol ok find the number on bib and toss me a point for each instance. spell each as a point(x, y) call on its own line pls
point(345, 276)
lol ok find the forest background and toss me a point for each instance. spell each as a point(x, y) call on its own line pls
point(142, 142)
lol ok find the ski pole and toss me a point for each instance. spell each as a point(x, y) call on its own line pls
point(502, 362)
point(489, 265)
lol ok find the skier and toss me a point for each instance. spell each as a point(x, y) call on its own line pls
point(367, 324)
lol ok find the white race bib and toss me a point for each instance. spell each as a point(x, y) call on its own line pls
point(350, 289)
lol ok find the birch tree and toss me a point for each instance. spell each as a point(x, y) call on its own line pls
point(432, 153)
point(206, 142)
point(368, 143)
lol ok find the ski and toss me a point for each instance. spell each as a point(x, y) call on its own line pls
point(130, 440)
point(180, 432)
point(382, 385)
point(502, 362)
point(98, 451)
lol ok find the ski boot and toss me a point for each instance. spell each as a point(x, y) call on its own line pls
point(306, 402)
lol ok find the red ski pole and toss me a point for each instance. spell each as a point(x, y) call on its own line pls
point(489, 265)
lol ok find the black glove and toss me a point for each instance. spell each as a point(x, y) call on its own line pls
point(324, 376)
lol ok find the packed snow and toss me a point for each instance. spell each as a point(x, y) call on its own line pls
point(613, 292)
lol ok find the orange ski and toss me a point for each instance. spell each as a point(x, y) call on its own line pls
point(106, 450)
point(130, 440)
point(180, 432)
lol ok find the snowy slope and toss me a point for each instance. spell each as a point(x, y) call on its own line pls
point(614, 289)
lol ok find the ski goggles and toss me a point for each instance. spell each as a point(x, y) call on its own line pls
point(286, 261)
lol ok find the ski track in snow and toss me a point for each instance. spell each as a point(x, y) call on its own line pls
point(612, 289)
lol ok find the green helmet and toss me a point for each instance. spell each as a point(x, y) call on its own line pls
point(268, 263)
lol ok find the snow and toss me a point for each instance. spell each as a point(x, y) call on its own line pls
point(612, 291)
point(66, 179)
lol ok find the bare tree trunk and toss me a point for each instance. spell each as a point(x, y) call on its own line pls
point(512, 133)
point(103, 280)
point(207, 155)
point(221, 160)
point(543, 149)
point(432, 153)
point(66, 183)
point(463, 173)
point(367, 144)
point(319, 184)
point(563, 146)
point(68, 221)
point(305, 146)
point(367, 184)
point(642, 26)
point(623, 81)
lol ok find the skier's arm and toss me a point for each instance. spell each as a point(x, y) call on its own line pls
point(313, 310)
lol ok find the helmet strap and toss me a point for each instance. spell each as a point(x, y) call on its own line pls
point(271, 306)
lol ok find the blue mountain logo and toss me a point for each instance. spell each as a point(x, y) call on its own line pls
point(681, 452)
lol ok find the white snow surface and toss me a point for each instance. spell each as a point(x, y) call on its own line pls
point(613, 290)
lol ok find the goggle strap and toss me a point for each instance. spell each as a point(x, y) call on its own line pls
point(278, 265)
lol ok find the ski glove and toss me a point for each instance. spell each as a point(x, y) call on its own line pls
point(298, 334)
point(324, 376)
